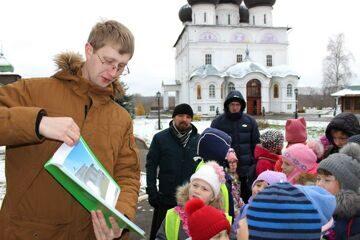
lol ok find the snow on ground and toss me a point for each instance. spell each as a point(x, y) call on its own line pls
point(145, 129)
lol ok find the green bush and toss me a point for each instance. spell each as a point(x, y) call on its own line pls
point(196, 118)
point(262, 124)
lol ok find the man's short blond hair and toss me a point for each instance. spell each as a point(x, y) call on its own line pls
point(113, 33)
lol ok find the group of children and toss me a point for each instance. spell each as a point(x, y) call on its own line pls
point(307, 190)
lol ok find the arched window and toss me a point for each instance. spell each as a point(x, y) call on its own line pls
point(198, 92)
point(212, 91)
point(239, 58)
point(207, 58)
point(289, 90)
point(231, 87)
point(276, 91)
point(269, 61)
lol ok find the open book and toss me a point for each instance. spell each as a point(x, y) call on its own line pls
point(80, 172)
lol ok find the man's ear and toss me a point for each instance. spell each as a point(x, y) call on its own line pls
point(89, 50)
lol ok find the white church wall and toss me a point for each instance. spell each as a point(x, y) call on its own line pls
point(224, 11)
point(275, 103)
point(260, 16)
point(203, 14)
point(224, 45)
point(207, 104)
point(288, 100)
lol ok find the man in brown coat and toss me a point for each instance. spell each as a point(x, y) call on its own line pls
point(38, 115)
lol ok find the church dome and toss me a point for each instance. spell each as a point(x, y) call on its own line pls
point(185, 13)
point(5, 66)
point(193, 2)
point(257, 3)
point(237, 2)
point(244, 14)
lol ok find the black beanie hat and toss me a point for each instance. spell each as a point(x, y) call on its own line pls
point(183, 109)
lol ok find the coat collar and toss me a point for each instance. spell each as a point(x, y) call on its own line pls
point(261, 152)
point(69, 69)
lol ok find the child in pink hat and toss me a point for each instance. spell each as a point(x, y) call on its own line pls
point(298, 159)
point(295, 132)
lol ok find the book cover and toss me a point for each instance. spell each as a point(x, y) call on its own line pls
point(79, 171)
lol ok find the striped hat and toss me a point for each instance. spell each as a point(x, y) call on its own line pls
point(282, 211)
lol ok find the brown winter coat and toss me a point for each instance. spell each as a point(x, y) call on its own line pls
point(35, 205)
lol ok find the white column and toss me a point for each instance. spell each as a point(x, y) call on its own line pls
point(265, 97)
point(177, 98)
point(166, 101)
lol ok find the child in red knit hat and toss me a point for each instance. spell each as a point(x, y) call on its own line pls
point(205, 184)
point(206, 222)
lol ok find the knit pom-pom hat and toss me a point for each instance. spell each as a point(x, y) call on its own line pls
point(205, 222)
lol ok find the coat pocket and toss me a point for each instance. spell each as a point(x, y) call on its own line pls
point(167, 184)
point(31, 230)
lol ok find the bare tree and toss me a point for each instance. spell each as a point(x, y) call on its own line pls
point(336, 66)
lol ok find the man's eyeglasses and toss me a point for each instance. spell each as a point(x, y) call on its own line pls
point(121, 70)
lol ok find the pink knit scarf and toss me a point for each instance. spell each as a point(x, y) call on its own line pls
point(183, 218)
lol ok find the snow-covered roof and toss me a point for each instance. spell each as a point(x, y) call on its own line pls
point(346, 92)
point(241, 69)
point(282, 71)
point(206, 70)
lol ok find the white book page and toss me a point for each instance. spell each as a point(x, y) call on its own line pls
point(61, 154)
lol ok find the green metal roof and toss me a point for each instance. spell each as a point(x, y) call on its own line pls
point(5, 66)
point(354, 87)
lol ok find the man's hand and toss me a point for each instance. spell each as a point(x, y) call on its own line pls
point(102, 232)
point(154, 200)
point(60, 128)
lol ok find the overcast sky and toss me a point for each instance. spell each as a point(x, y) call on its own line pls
point(32, 32)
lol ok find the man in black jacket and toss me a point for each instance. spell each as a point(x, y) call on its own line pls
point(245, 135)
point(170, 159)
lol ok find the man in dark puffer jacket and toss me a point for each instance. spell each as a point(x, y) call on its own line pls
point(245, 135)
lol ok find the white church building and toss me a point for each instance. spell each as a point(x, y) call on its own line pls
point(227, 45)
